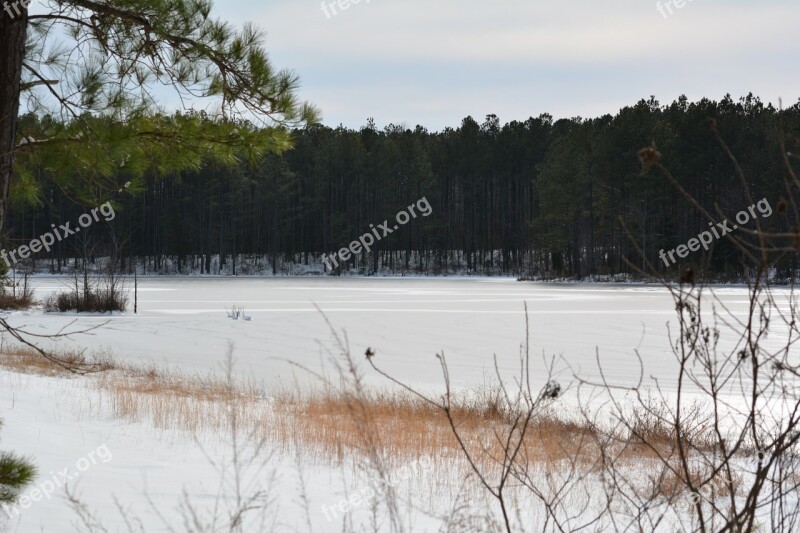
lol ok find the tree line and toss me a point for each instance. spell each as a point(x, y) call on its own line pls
point(542, 198)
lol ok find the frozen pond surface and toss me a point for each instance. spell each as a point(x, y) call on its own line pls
point(182, 321)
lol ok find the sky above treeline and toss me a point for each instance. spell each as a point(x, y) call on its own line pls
point(433, 62)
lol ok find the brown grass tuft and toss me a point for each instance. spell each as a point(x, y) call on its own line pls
point(28, 361)
point(16, 299)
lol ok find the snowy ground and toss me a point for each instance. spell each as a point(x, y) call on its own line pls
point(75, 443)
point(182, 322)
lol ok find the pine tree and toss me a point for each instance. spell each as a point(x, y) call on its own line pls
point(16, 473)
point(95, 71)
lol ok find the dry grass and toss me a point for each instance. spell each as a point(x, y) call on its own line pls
point(29, 361)
point(406, 427)
point(338, 426)
point(16, 300)
point(651, 431)
point(197, 403)
point(148, 394)
point(331, 424)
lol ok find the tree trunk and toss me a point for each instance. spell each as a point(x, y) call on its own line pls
point(12, 52)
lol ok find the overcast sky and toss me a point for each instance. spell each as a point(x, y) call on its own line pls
point(433, 62)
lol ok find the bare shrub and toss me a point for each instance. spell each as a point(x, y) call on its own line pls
point(95, 301)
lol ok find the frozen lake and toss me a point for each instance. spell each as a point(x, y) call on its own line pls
point(182, 321)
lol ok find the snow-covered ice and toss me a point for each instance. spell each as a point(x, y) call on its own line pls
point(183, 321)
